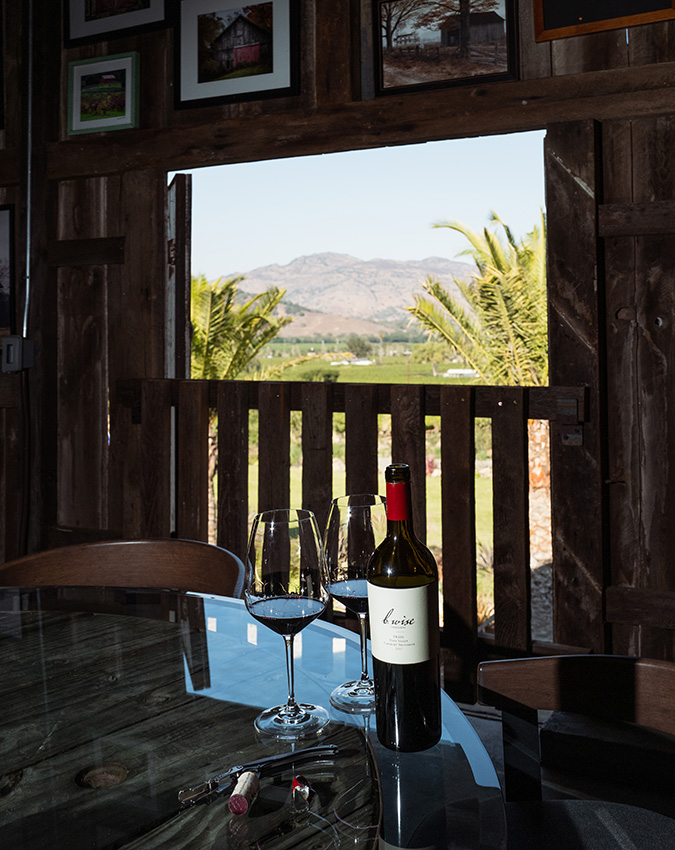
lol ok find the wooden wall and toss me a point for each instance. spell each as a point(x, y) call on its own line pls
point(98, 265)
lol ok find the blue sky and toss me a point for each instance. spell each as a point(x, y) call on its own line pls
point(370, 204)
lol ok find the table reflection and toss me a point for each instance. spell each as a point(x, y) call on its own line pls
point(107, 716)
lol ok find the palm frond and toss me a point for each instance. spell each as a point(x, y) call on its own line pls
point(501, 328)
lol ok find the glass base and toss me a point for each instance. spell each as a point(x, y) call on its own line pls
point(357, 697)
point(292, 723)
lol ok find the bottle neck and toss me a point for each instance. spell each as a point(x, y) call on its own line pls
point(399, 506)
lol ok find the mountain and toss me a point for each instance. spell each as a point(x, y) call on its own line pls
point(344, 286)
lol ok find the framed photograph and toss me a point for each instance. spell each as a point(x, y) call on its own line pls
point(7, 293)
point(97, 20)
point(103, 94)
point(232, 51)
point(553, 19)
point(437, 43)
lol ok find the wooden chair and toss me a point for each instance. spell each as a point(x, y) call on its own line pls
point(166, 563)
point(628, 704)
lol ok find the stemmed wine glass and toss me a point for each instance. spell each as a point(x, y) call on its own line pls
point(285, 591)
point(356, 526)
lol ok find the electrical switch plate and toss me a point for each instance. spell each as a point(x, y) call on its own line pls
point(17, 353)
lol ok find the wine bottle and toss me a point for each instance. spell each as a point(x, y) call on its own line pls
point(403, 614)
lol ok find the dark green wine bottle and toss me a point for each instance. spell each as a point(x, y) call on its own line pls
point(403, 615)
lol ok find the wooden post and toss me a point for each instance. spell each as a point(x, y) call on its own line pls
point(576, 311)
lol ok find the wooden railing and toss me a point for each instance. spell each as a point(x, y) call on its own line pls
point(164, 467)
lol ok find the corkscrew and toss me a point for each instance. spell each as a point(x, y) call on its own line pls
point(217, 785)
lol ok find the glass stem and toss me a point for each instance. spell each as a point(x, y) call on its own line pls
point(363, 623)
point(292, 704)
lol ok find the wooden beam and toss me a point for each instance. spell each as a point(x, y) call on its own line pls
point(229, 135)
point(640, 606)
point(86, 252)
point(636, 219)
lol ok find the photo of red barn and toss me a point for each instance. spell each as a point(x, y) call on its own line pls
point(236, 44)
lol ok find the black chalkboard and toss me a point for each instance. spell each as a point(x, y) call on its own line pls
point(556, 19)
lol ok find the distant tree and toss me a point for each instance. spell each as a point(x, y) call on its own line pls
point(434, 352)
point(394, 15)
point(359, 346)
point(260, 15)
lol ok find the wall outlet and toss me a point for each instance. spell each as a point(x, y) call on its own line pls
point(17, 353)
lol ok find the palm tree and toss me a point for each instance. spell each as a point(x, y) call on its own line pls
point(226, 337)
point(501, 329)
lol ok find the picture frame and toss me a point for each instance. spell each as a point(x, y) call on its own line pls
point(103, 94)
point(7, 272)
point(422, 46)
point(98, 20)
point(231, 51)
point(553, 19)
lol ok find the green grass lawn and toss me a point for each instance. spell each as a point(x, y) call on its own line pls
point(483, 502)
point(394, 370)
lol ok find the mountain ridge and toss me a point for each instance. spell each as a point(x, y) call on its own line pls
point(341, 285)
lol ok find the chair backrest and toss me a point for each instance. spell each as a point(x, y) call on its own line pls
point(617, 687)
point(166, 563)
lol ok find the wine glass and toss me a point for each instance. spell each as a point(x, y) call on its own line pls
point(356, 526)
point(285, 591)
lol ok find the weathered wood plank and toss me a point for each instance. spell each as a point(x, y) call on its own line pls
point(108, 250)
point(213, 137)
point(511, 537)
point(192, 461)
point(654, 179)
point(458, 531)
point(622, 390)
point(360, 403)
point(333, 52)
point(575, 306)
point(233, 466)
point(274, 453)
point(408, 445)
point(534, 58)
point(641, 606)
point(13, 497)
point(83, 368)
point(651, 44)
point(157, 469)
point(587, 53)
point(636, 219)
point(317, 450)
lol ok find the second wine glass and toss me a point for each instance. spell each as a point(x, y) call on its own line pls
point(356, 526)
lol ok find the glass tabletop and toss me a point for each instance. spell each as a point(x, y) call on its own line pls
point(107, 716)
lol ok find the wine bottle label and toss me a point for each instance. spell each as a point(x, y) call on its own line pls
point(403, 623)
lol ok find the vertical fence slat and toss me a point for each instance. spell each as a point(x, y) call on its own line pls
point(192, 466)
point(458, 528)
point(361, 439)
point(317, 449)
point(274, 452)
point(408, 445)
point(155, 485)
point(232, 522)
point(511, 520)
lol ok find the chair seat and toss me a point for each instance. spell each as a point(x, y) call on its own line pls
point(586, 825)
